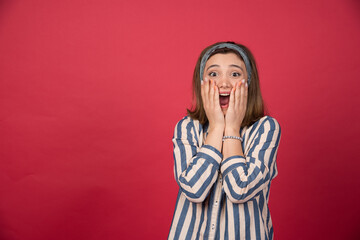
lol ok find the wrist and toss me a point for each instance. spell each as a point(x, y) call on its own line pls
point(216, 125)
point(216, 128)
point(232, 131)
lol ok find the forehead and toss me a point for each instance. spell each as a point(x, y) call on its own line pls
point(225, 59)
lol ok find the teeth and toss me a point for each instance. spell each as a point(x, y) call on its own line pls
point(224, 94)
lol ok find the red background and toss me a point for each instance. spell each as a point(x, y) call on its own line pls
point(91, 91)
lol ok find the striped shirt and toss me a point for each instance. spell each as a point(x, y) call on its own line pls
point(224, 199)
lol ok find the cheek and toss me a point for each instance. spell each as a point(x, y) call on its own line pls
point(234, 82)
point(205, 76)
point(245, 76)
point(216, 79)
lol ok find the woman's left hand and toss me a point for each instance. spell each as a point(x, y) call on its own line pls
point(237, 107)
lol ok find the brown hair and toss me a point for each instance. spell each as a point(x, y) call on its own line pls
point(255, 104)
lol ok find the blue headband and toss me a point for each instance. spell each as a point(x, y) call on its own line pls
point(229, 46)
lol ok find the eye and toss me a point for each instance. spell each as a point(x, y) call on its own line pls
point(235, 74)
point(212, 74)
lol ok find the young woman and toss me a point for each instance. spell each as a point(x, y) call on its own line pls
point(225, 151)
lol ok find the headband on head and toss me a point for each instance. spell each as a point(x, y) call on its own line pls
point(229, 46)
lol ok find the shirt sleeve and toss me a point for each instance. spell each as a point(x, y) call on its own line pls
point(245, 178)
point(196, 168)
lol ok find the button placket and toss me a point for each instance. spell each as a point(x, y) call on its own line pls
point(216, 207)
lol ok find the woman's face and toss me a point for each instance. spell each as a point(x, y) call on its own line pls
point(226, 70)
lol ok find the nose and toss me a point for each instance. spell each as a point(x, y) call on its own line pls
point(224, 83)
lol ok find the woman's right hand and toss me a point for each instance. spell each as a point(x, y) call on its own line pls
point(210, 98)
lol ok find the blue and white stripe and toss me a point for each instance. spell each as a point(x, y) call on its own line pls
point(224, 199)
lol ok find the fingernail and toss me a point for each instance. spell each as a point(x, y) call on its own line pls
point(202, 82)
point(246, 84)
point(243, 81)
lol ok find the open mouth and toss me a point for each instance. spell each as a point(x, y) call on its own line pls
point(224, 99)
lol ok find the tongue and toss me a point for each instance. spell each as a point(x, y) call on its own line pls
point(224, 100)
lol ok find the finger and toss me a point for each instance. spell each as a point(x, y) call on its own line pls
point(246, 95)
point(211, 93)
point(216, 96)
point(242, 92)
point(232, 96)
point(205, 91)
point(202, 89)
point(238, 94)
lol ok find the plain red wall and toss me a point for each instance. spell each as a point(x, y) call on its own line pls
point(91, 91)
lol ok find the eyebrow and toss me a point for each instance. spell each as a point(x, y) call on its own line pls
point(231, 65)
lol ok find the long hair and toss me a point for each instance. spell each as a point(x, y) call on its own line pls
point(255, 104)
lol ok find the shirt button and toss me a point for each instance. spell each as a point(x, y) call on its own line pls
point(216, 203)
